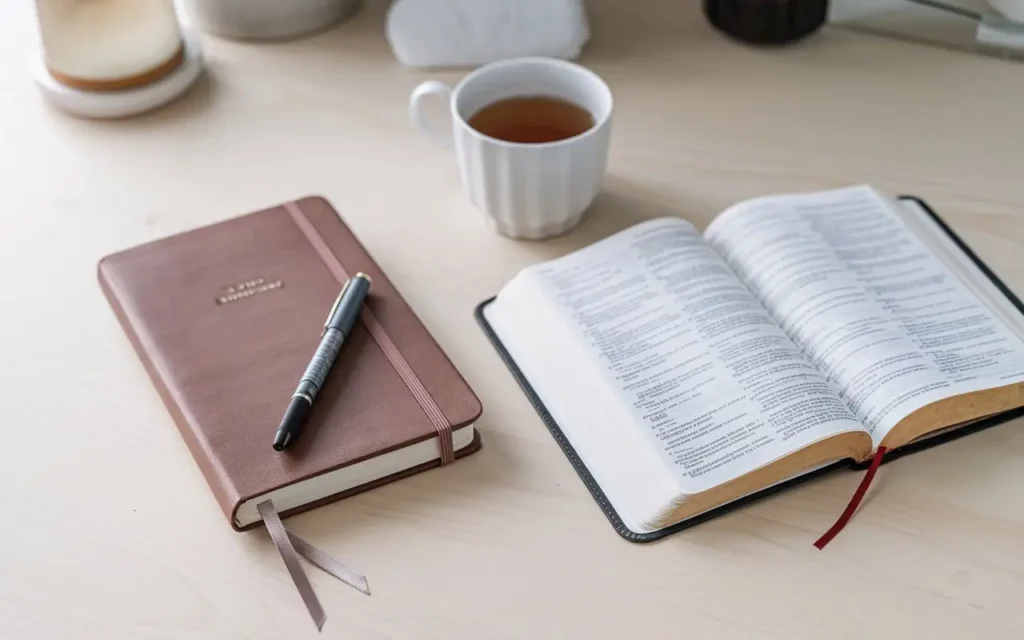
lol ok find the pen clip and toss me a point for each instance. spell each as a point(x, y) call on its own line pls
point(337, 301)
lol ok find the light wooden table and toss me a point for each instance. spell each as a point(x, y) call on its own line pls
point(107, 530)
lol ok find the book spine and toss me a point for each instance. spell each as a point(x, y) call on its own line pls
point(220, 484)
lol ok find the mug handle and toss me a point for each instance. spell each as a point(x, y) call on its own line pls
point(430, 88)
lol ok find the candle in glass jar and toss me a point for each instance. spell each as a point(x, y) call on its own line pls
point(109, 44)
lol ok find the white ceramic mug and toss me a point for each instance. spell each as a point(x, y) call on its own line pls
point(529, 191)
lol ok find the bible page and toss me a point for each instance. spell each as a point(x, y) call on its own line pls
point(716, 386)
point(885, 320)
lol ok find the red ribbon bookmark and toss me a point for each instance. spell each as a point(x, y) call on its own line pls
point(851, 508)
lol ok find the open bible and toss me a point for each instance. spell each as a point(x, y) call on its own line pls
point(684, 372)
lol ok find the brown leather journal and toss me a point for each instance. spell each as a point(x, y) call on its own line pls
point(225, 319)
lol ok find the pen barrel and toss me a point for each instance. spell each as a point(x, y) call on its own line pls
point(351, 304)
point(321, 363)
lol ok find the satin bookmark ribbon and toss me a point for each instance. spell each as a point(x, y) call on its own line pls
point(851, 508)
point(381, 337)
point(292, 547)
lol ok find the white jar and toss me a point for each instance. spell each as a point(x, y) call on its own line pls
point(266, 19)
point(107, 45)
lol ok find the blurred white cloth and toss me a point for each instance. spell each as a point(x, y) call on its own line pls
point(469, 33)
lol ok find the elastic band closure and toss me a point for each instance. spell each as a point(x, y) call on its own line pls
point(380, 336)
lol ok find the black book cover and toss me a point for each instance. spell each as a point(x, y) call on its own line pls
point(633, 536)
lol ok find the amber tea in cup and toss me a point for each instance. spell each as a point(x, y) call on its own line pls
point(531, 138)
point(532, 120)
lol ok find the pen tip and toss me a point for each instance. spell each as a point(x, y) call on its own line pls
point(281, 440)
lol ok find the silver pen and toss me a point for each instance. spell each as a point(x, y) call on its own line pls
point(340, 322)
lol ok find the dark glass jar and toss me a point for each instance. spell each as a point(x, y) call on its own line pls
point(767, 21)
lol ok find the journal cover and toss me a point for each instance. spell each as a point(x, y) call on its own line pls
point(225, 319)
point(633, 536)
